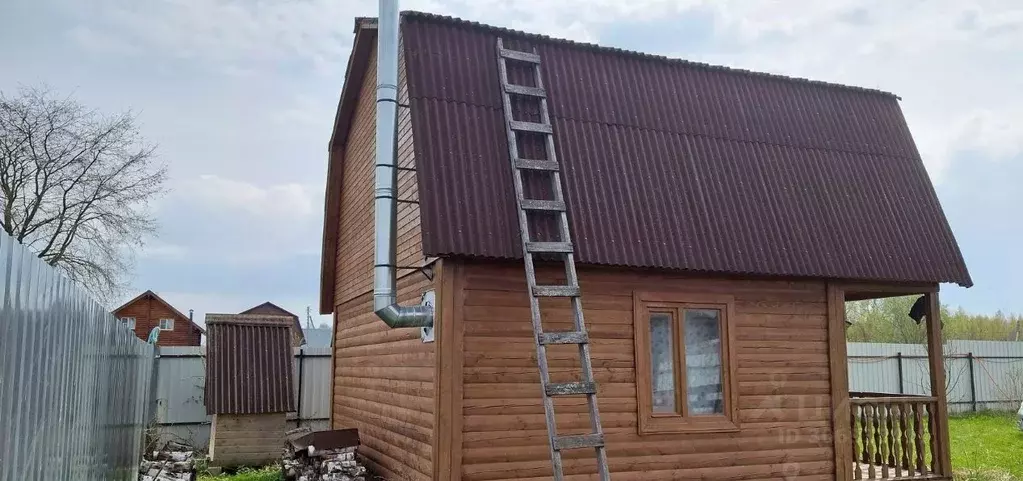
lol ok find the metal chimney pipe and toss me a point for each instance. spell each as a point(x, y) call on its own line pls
point(385, 293)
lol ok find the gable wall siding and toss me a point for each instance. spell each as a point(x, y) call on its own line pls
point(148, 312)
point(383, 377)
point(384, 386)
point(354, 259)
point(783, 380)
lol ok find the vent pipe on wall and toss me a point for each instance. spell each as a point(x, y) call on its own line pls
point(385, 293)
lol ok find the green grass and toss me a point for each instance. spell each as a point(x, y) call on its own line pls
point(269, 473)
point(986, 447)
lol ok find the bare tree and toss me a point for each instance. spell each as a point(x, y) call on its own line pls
point(75, 186)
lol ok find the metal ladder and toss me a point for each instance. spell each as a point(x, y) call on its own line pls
point(564, 249)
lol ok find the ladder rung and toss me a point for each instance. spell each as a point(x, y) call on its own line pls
point(524, 90)
point(579, 441)
point(556, 291)
point(555, 247)
point(536, 204)
point(570, 388)
point(571, 337)
point(533, 164)
point(530, 127)
point(520, 56)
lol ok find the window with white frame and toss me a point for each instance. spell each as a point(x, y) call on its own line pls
point(129, 321)
point(166, 324)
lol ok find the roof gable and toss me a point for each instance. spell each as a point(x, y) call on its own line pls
point(149, 294)
point(668, 163)
point(271, 309)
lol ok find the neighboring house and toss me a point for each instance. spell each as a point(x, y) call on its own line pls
point(720, 220)
point(271, 309)
point(149, 310)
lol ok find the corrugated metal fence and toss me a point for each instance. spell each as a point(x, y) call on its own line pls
point(181, 375)
point(74, 382)
point(980, 375)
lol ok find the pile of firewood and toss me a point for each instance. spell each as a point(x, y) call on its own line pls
point(322, 456)
point(323, 465)
point(175, 462)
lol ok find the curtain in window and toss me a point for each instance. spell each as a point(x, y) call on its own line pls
point(703, 361)
point(662, 363)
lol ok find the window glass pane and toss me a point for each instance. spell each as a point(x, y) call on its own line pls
point(167, 324)
point(662, 363)
point(704, 391)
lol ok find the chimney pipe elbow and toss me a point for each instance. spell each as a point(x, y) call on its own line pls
point(396, 316)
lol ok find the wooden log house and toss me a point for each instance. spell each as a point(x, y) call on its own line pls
point(721, 218)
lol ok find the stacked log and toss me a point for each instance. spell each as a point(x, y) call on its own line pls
point(176, 462)
point(323, 465)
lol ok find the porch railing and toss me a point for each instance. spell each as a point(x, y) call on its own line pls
point(894, 437)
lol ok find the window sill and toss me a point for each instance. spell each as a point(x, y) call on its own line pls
point(678, 425)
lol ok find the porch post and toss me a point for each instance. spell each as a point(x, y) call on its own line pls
point(936, 360)
point(839, 375)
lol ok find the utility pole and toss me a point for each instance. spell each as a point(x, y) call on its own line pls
point(309, 318)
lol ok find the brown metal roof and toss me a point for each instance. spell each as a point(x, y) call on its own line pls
point(667, 163)
point(674, 164)
point(270, 309)
point(248, 364)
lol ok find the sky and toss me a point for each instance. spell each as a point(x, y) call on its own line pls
point(240, 95)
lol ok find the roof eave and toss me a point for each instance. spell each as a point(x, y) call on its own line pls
point(362, 46)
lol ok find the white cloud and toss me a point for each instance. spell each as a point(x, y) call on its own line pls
point(951, 61)
point(219, 221)
point(99, 42)
point(278, 202)
point(161, 250)
point(231, 33)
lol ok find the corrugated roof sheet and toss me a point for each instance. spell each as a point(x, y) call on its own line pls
point(270, 309)
point(248, 364)
point(674, 164)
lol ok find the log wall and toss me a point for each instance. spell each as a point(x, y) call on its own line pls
point(247, 439)
point(384, 386)
point(354, 259)
point(783, 381)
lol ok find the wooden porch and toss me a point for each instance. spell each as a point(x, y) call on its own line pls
point(890, 436)
point(895, 436)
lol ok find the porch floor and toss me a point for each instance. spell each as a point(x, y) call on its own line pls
point(890, 474)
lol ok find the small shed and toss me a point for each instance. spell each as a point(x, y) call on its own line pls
point(249, 387)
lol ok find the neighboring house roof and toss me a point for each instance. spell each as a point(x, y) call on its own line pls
point(152, 295)
point(269, 308)
point(248, 364)
point(666, 163)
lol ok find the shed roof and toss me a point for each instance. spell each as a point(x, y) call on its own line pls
point(271, 309)
point(249, 364)
point(667, 163)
